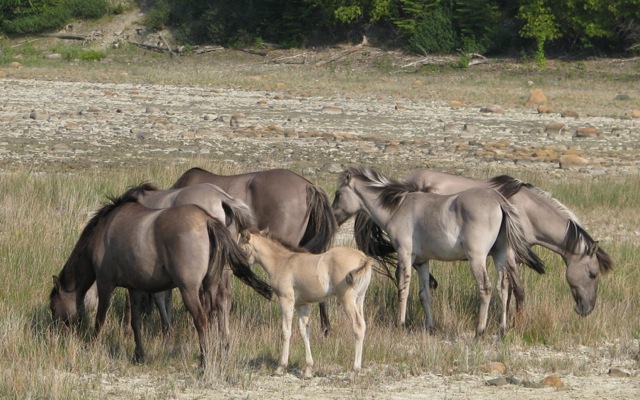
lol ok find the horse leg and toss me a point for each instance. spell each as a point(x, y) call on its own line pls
point(104, 301)
point(424, 280)
point(286, 304)
point(191, 300)
point(503, 289)
point(479, 270)
point(303, 326)
point(325, 325)
point(127, 314)
point(160, 300)
point(136, 299)
point(515, 284)
point(404, 280)
point(223, 305)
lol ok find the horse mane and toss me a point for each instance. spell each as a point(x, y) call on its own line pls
point(68, 273)
point(392, 192)
point(576, 234)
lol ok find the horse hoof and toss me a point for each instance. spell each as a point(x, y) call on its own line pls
point(279, 371)
point(353, 376)
point(308, 374)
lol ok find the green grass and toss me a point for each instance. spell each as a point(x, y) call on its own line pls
point(41, 217)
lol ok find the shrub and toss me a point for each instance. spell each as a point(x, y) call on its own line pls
point(88, 9)
point(433, 34)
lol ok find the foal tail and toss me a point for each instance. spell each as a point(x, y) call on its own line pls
point(516, 238)
point(225, 250)
point(321, 224)
point(356, 277)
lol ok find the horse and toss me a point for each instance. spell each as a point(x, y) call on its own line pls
point(546, 222)
point(217, 203)
point(425, 226)
point(290, 206)
point(144, 250)
point(299, 278)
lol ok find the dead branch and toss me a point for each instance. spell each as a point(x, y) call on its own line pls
point(284, 59)
point(67, 36)
point(169, 47)
point(364, 42)
point(206, 49)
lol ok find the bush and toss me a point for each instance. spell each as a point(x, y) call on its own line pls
point(433, 34)
point(88, 9)
point(49, 19)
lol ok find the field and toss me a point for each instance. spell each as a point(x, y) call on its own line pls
point(74, 132)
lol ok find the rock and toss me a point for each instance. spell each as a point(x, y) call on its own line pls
point(569, 114)
point(537, 96)
point(391, 148)
point(532, 385)
point(399, 106)
point(54, 56)
point(542, 109)
point(552, 381)
point(15, 64)
point(281, 85)
point(494, 366)
point(634, 113)
point(569, 161)
point(622, 96)
point(456, 103)
point(514, 381)
point(331, 110)
point(236, 120)
point(586, 132)
point(618, 373)
point(39, 116)
point(556, 127)
point(501, 381)
point(492, 108)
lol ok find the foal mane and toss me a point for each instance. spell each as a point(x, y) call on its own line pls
point(68, 274)
point(274, 238)
point(392, 192)
point(575, 233)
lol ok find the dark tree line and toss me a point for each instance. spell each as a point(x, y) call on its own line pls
point(421, 26)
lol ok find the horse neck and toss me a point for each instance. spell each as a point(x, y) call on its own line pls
point(369, 204)
point(547, 223)
point(268, 253)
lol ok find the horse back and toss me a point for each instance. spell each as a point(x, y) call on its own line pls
point(442, 182)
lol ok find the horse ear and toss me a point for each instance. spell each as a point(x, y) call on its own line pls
point(56, 283)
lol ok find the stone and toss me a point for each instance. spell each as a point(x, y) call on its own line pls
point(618, 373)
point(569, 161)
point(553, 381)
point(501, 381)
point(569, 114)
point(281, 85)
point(494, 366)
point(456, 103)
point(15, 64)
point(537, 96)
point(331, 110)
point(556, 127)
point(54, 56)
point(634, 113)
point(586, 132)
point(543, 109)
point(622, 96)
point(492, 108)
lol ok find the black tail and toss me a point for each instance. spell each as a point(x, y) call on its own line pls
point(321, 224)
point(225, 251)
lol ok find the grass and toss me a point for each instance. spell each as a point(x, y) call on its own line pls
point(43, 214)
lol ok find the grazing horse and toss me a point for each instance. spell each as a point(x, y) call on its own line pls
point(290, 206)
point(546, 222)
point(128, 245)
point(425, 226)
point(299, 278)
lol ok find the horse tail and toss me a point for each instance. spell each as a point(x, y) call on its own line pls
point(516, 239)
point(225, 250)
point(375, 243)
point(238, 212)
point(356, 277)
point(321, 223)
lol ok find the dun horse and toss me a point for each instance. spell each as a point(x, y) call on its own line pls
point(128, 245)
point(290, 206)
point(546, 222)
point(299, 278)
point(426, 226)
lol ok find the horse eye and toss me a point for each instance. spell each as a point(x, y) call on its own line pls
point(593, 275)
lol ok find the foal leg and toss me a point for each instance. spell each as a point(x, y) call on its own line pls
point(303, 325)
point(424, 280)
point(353, 307)
point(287, 305)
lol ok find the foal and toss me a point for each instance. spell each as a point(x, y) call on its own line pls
point(299, 278)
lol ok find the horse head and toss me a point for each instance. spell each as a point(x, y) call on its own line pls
point(346, 202)
point(586, 261)
point(64, 305)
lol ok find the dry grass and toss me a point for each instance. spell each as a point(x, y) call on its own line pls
point(42, 216)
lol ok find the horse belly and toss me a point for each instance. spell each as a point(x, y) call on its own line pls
point(442, 248)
